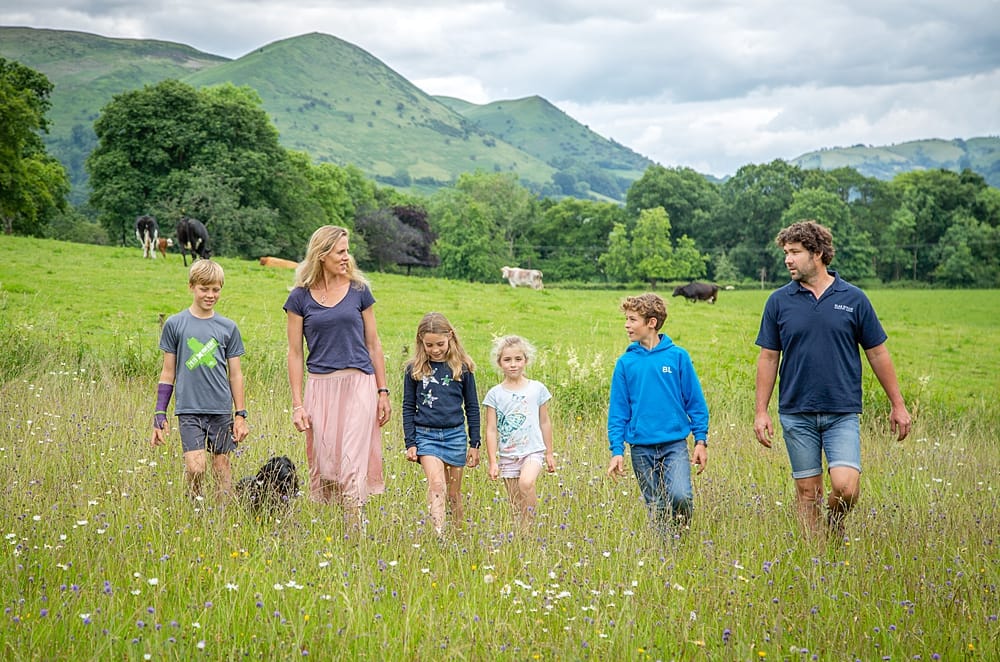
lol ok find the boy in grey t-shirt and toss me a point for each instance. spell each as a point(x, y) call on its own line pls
point(201, 357)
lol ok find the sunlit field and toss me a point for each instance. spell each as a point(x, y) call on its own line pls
point(105, 558)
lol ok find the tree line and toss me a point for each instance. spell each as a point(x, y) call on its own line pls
point(171, 150)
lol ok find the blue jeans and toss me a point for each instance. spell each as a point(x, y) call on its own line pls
point(664, 475)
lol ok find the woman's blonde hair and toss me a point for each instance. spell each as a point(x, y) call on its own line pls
point(321, 243)
point(457, 358)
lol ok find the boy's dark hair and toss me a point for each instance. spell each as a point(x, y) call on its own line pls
point(814, 237)
point(648, 305)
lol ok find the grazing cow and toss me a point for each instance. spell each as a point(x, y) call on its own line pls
point(147, 232)
point(695, 292)
point(277, 262)
point(163, 244)
point(530, 277)
point(192, 237)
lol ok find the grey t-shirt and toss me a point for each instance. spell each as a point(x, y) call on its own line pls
point(203, 348)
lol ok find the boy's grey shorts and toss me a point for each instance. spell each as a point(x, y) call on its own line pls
point(211, 432)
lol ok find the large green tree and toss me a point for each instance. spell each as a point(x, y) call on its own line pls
point(690, 200)
point(481, 225)
point(854, 256)
point(33, 185)
point(930, 203)
point(570, 235)
point(754, 200)
point(212, 154)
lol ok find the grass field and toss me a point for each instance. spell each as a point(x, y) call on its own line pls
point(105, 559)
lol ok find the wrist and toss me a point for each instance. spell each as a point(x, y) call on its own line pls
point(383, 391)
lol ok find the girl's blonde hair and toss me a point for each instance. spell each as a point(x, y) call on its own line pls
point(457, 358)
point(321, 243)
point(506, 342)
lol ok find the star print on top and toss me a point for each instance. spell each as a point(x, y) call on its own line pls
point(201, 346)
point(439, 400)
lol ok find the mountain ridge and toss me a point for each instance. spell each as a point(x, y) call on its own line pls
point(339, 103)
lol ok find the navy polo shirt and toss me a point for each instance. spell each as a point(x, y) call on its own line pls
point(820, 368)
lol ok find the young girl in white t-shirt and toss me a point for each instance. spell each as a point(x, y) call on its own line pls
point(518, 427)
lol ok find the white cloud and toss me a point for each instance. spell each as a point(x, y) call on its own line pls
point(711, 84)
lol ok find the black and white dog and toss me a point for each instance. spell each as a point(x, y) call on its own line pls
point(274, 486)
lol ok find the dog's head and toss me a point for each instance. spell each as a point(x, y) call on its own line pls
point(279, 474)
point(275, 485)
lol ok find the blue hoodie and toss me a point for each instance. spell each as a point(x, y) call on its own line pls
point(655, 397)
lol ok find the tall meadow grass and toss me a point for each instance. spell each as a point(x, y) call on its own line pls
point(104, 558)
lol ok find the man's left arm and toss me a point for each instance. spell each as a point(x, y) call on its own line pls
point(881, 363)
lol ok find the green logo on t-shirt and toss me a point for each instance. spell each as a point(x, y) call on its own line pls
point(203, 354)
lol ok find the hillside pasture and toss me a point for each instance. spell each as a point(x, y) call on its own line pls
point(106, 559)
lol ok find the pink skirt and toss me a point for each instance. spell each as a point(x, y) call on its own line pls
point(344, 443)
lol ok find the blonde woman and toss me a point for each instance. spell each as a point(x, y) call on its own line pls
point(342, 378)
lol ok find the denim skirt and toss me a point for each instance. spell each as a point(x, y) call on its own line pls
point(450, 445)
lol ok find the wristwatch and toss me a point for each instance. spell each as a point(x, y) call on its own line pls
point(703, 442)
point(240, 412)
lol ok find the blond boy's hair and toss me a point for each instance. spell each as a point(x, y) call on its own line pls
point(206, 272)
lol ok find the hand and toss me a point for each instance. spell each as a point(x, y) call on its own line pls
point(550, 462)
point(300, 419)
point(900, 422)
point(616, 468)
point(472, 458)
point(411, 454)
point(764, 429)
point(160, 434)
point(384, 409)
point(240, 429)
point(494, 470)
point(700, 458)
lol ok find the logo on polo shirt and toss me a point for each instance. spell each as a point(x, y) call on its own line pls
point(666, 369)
point(840, 306)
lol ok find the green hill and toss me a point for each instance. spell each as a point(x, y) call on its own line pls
point(87, 71)
point(543, 130)
point(327, 98)
point(338, 103)
point(982, 155)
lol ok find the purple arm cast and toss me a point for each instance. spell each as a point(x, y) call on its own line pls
point(163, 393)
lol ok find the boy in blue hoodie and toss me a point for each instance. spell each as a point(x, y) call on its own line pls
point(656, 404)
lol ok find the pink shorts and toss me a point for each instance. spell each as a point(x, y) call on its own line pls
point(510, 467)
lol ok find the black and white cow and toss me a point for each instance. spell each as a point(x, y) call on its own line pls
point(517, 276)
point(148, 233)
point(192, 237)
point(695, 291)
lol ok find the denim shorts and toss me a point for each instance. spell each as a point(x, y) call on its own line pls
point(211, 432)
point(450, 445)
point(808, 436)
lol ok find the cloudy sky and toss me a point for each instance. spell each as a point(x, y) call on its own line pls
point(709, 84)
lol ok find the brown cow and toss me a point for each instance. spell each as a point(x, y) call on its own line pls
point(278, 262)
point(162, 244)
